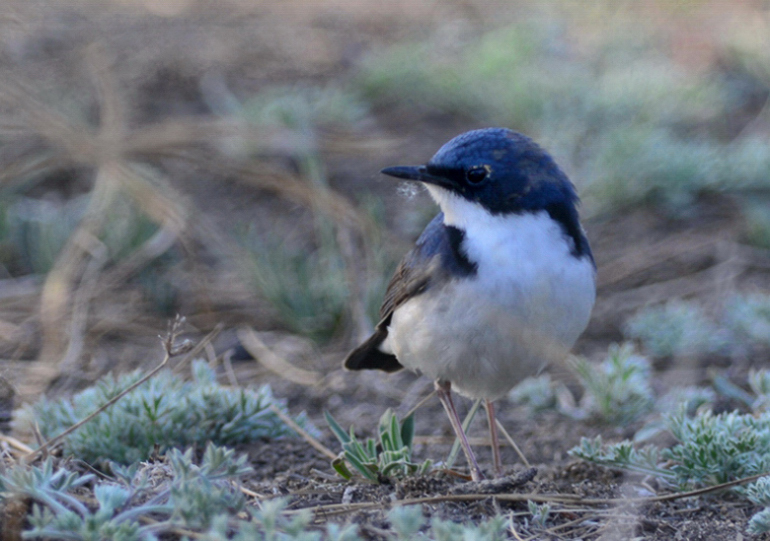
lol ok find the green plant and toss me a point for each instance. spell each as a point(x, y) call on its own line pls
point(676, 328)
point(166, 412)
point(309, 286)
point(307, 289)
point(162, 498)
point(747, 316)
point(304, 107)
point(390, 456)
point(759, 494)
point(408, 521)
point(270, 524)
point(623, 455)
point(537, 393)
point(710, 450)
point(174, 493)
point(540, 513)
point(617, 391)
point(33, 231)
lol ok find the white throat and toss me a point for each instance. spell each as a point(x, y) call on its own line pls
point(506, 241)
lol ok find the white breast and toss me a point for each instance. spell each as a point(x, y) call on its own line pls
point(527, 304)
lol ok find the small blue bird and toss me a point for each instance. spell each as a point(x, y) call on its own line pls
point(501, 282)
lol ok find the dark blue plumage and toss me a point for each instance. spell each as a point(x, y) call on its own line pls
point(443, 241)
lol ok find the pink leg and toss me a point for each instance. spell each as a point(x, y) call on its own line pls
point(493, 435)
point(444, 392)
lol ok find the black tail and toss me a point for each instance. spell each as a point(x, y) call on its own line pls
point(368, 355)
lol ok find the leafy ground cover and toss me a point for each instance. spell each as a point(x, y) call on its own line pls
point(219, 161)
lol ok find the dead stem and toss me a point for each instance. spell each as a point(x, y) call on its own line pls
point(16, 444)
point(171, 349)
point(512, 443)
point(192, 353)
point(274, 362)
point(317, 445)
point(420, 404)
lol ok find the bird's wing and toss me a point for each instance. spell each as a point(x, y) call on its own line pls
point(434, 253)
point(413, 273)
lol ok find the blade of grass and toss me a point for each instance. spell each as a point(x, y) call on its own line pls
point(336, 428)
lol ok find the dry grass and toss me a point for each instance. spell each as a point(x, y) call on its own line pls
point(122, 158)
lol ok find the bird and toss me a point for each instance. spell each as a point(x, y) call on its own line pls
point(500, 283)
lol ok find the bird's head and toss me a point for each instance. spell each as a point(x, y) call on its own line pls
point(498, 169)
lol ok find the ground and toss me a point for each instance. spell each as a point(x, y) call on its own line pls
point(183, 61)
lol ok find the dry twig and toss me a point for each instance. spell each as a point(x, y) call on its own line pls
point(171, 349)
point(317, 445)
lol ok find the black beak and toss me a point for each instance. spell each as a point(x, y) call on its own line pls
point(405, 172)
point(418, 173)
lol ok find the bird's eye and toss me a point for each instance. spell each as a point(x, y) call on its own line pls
point(476, 175)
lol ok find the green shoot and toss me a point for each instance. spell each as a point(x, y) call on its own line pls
point(617, 391)
point(390, 456)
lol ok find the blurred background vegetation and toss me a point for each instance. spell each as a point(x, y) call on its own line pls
point(220, 160)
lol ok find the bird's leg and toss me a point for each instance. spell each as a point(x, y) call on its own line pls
point(493, 435)
point(444, 392)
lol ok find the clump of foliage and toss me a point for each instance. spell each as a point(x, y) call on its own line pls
point(711, 449)
point(308, 283)
point(617, 391)
point(541, 514)
point(34, 230)
point(682, 328)
point(390, 455)
point(269, 523)
point(537, 393)
point(759, 494)
point(166, 411)
point(408, 521)
point(748, 317)
point(308, 289)
point(304, 107)
point(674, 329)
point(149, 501)
point(175, 493)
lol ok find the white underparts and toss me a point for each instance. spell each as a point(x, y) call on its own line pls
point(526, 305)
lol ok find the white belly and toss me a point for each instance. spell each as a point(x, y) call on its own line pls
point(525, 307)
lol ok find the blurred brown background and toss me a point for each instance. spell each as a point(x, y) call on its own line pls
point(220, 160)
